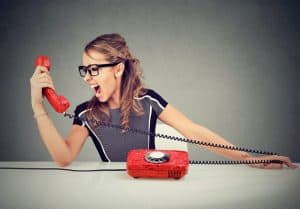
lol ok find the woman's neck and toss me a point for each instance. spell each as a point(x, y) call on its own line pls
point(114, 102)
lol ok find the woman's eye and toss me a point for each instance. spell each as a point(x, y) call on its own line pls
point(94, 69)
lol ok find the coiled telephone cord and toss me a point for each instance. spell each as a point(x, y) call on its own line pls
point(181, 139)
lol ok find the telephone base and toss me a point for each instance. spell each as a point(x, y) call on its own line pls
point(144, 163)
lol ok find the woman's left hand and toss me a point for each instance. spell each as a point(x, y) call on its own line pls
point(283, 159)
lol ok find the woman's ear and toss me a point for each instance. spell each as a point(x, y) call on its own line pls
point(119, 69)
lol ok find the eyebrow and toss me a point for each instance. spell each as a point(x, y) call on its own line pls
point(101, 65)
point(95, 64)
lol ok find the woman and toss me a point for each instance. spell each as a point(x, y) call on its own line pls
point(120, 98)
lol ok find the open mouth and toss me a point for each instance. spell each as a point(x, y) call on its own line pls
point(97, 89)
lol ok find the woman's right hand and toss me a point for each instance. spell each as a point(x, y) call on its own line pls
point(40, 79)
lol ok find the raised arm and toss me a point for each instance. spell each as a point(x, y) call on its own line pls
point(63, 151)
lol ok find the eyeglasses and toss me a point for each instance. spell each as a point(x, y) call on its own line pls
point(93, 69)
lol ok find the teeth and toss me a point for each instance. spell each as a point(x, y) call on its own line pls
point(93, 86)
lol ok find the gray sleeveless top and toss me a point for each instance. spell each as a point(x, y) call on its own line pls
point(113, 145)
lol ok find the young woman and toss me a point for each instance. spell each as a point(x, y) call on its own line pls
point(120, 98)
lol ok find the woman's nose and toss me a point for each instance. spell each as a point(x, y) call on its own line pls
point(87, 77)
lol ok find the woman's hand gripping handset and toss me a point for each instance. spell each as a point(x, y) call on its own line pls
point(42, 84)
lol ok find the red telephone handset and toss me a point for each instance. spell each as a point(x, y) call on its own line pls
point(58, 102)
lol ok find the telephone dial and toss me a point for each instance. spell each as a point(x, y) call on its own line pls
point(150, 163)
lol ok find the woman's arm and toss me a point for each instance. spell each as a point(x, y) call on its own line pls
point(171, 116)
point(63, 152)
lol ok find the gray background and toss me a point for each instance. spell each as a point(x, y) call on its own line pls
point(231, 66)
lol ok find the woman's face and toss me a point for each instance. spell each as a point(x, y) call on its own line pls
point(107, 82)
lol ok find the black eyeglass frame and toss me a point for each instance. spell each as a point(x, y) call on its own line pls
point(84, 69)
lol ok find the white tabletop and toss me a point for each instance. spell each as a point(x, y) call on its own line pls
point(205, 186)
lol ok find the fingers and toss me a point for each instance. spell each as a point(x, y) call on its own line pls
point(261, 166)
point(40, 70)
point(285, 161)
point(41, 80)
point(267, 166)
point(273, 166)
point(46, 84)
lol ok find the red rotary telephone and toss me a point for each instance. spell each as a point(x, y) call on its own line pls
point(58, 102)
point(157, 163)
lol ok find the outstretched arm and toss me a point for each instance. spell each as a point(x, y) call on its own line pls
point(172, 117)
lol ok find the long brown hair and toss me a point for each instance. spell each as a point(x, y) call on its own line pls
point(114, 48)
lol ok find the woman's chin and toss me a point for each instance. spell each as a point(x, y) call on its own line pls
point(101, 99)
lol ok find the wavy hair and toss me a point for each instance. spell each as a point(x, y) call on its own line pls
point(114, 48)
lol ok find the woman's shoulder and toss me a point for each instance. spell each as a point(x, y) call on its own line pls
point(152, 96)
point(149, 93)
point(81, 107)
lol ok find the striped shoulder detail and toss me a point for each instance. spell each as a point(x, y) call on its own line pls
point(81, 107)
point(79, 110)
point(157, 102)
point(154, 96)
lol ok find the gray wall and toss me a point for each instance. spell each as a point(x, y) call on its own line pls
point(231, 66)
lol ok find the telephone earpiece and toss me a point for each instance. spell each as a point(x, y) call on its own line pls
point(58, 102)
